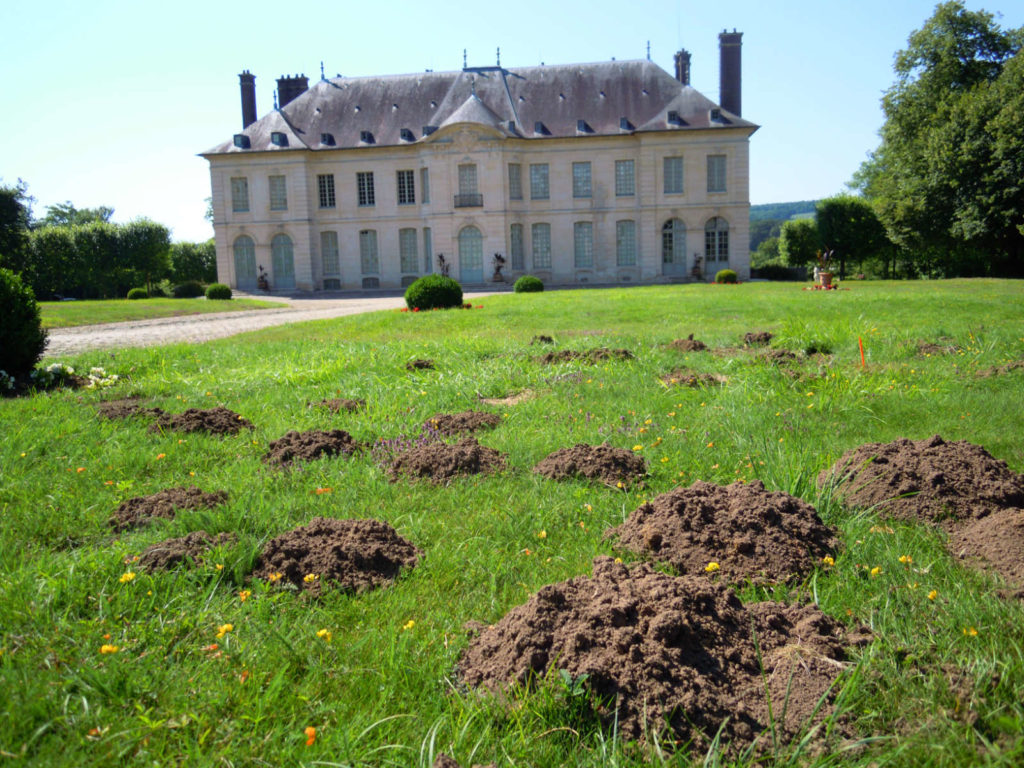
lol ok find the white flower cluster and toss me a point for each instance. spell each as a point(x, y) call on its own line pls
point(6, 380)
point(46, 376)
point(99, 378)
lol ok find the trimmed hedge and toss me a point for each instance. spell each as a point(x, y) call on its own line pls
point(528, 284)
point(138, 293)
point(24, 339)
point(434, 292)
point(726, 276)
point(218, 292)
point(190, 289)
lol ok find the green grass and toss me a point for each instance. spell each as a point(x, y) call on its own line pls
point(66, 314)
point(923, 693)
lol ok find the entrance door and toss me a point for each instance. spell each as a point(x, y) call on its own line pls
point(471, 256)
point(245, 264)
point(673, 248)
point(283, 264)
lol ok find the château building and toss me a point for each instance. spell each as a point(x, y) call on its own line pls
point(610, 172)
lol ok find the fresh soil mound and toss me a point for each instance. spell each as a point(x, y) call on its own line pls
point(684, 378)
point(997, 540)
point(588, 356)
point(309, 445)
point(542, 338)
point(593, 462)
point(216, 421)
point(756, 338)
point(419, 365)
point(339, 404)
point(999, 370)
point(665, 649)
point(449, 424)
point(931, 349)
point(125, 409)
point(751, 533)
point(689, 344)
point(352, 555)
point(140, 510)
point(169, 553)
point(926, 480)
point(441, 462)
point(777, 356)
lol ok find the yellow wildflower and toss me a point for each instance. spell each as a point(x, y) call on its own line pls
point(324, 634)
point(223, 629)
point(126, 577)
point(933, 594)
point(711, 567)
point(906, 559)
point(542, 534)
point(638, 447)
point(970, 631)
point(408, 625)
point(219, 566)
point(244, 595)
point(276, 576)
point(828, 560)
point(875, 571)
point(309, 578)
point(107, 648)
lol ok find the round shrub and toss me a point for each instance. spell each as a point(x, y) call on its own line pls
point(218, 291)
point(434, 291)
point(23, 336)
point(528, 284)
point(190, 289)
point(726, 276)
point(138, 293)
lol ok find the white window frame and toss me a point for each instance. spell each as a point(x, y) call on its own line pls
point(330, 260)
point(540, 181)
point(369, 256)
point(364, 189)
point(583, 244)
point(582, 186)
point(625, 243)
point(408, 258)
point(672, 169)
point(625, 178)
point(406, 183)
point(239, 194)
point(468, 179)
point(325, 190)
point(717, 167)
point(540, 241)
point(278, 186)
point(515, 181)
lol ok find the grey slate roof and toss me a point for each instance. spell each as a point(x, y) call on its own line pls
point(511, 101)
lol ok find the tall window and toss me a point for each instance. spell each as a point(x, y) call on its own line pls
point(325, 186)
point(541, 237)
point(581, 186)
point(239, 194)
point(515, 181)
point(673, 167)
point(625, 183)
point(716, 239)
point(625, 243)
point(515, 247)
point(406, 188)
point(716, 173)
point(583, 243)
point(673, 247)
point(407, 256)
point(428, 249)
point(364, 186)
point(329, 254)
point(539, 189)
point(425, 185)
point(278, 194)
point(467, 179)
point(369, 262)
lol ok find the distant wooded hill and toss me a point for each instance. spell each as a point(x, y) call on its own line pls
point(781, 211)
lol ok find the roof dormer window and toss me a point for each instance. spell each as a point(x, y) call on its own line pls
point(625, 125)
point(540, 129)
point(366, 137)
point(583, 127)
point(327, 139)
point(241, 141)
point(673, 118)
point(407, 135)
point(428, 129)
point(278, 139)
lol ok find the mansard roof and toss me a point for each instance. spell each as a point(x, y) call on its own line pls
point(599, 99)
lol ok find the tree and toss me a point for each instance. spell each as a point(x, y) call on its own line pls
point(194, 261)
point(848, 226)
point(144, 247)
point(767, 254)
point(942, 181)
point(15, 215)
point(799, 242)
point(66, 215)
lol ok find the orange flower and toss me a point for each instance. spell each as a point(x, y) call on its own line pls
point(161, 455)
point(321, 491)
point(310, 735)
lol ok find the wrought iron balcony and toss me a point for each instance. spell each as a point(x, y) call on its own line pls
point(474, 200)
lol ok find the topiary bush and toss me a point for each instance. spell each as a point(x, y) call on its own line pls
point(434, 291)
point(138, 293)
point(726, 276)
point(528, 284)
point(190, 289)
point(218, 291)
point(23, 336)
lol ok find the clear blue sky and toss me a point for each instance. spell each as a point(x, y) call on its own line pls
point(109, 102)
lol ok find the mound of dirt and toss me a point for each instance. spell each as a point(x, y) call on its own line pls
point(751, 533)
point(542, 338)
point(756, 338)
point(419, 365)
point(999, 370)
point(339, 404)
point(588, 356)
point(689, 344)
point(997, 540)
point(140, 510)
point(931, 349)
point(444, 761)
point(169, 553)
point(776, 356)
point(441, 462)
point(931, 480)
point(125, 409)
point(684, 378)
point(594, 462)
point(310, 445)
point(449, 424)
point(352, 555)
point(216, 421)
point(669, 650)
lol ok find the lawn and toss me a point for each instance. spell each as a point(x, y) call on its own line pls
point(373, 673)
point(65, 314)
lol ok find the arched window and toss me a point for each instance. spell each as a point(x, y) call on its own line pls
point(716, 239)
point(245, 263)
point(282, 263)
point(471, 255)
point(673, 247)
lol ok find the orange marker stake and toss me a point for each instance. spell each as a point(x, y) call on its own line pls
point(860, 343)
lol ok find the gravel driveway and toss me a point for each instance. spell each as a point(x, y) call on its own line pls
point(197, 328)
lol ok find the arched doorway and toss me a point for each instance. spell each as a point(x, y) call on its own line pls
point(282, 263)
point(673, 248)
point(716, 243)
point(245, 263)
point(471, 256)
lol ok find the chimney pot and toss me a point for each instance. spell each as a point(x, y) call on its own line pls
point(682, 58)
point(247, 83)
point(730, 71)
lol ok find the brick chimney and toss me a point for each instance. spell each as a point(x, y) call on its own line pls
point(247, 82)
point(289, 88)
point(729, 71)
point(682, 58)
